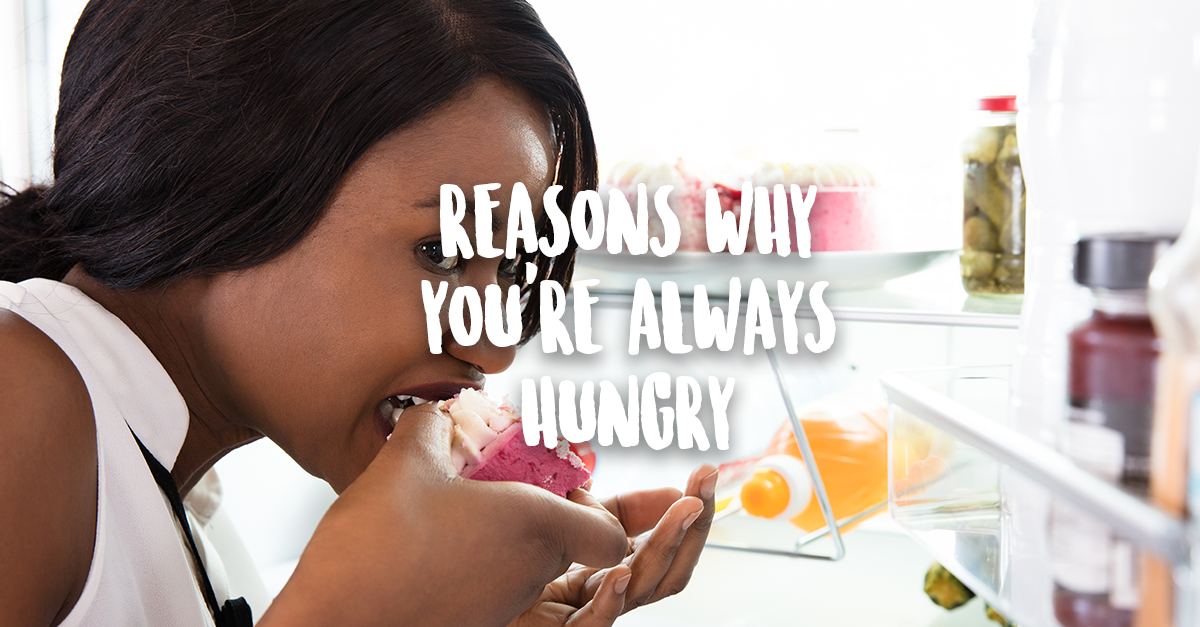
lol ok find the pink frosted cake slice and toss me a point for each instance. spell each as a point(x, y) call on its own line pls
point(845, 213)
point(489, 445)
point(686, 199)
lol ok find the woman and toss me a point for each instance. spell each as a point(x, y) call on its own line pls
point(243, 210)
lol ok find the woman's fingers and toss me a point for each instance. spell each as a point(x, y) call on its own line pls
point(581, 496)
point(702, 485)
point(588, 533)
point(609, 602)
point(653, 555)
point(640, 511)
point(663, 561)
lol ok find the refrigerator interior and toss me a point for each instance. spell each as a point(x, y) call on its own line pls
point(887, 84)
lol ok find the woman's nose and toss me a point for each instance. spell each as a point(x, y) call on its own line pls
point(485, 356)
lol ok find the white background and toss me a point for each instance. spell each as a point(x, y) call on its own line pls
point(889, 84)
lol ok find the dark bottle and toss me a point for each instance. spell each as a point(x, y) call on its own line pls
point(1112, 358)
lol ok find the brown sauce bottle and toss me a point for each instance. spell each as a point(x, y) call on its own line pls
point(1112, 357)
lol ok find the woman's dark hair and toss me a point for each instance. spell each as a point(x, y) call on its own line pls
point(202, 136)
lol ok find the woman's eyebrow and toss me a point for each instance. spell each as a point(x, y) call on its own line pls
point(429, 202)
point(435, 203)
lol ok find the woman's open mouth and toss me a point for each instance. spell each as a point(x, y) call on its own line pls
point(389, 410)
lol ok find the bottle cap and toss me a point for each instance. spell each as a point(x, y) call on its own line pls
point(998, 103)
point(779, 488)
point(1119, 261)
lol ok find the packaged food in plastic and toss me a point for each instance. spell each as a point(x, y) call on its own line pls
point(847, 432)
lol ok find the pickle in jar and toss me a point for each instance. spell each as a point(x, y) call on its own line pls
point(993, 257)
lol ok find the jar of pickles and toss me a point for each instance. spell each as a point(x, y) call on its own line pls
point(993, 255)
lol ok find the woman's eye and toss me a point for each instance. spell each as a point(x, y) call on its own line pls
point(433, 252)
point(509, 267)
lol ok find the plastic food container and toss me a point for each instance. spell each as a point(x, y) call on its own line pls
point(946, 493)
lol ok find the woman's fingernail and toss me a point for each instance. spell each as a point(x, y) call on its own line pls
point(687, 522)
point(622, 584)
point(708, 487)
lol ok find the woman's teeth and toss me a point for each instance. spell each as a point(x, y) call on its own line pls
point(391, 408)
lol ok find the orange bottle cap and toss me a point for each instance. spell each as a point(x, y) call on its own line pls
point(779, 488)
point(765, 494)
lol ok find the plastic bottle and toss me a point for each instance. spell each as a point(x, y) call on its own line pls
point(1174, 487)
point(848, 435)
point(1112, 358)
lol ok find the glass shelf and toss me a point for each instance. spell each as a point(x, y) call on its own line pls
point(949, 441)
point(933, 296)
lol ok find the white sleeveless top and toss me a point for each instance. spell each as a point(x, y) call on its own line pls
point(141, 572)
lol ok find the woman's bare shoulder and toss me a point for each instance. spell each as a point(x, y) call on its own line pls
point(47, 476)
point(45, 397)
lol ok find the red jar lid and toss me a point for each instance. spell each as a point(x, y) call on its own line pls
point(998, 103)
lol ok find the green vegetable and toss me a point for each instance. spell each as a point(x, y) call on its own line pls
point(983, 145)
point(979, 234)
point(1008, 160)
point(992, 614)
point(945, 589)
point(1009, 273)
point(977, 265)
point(993, 257)
point(983, 191)
point(1012, 234)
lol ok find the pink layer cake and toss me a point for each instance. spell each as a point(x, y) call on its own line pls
point(686, 198)
point(844, 213)
point(489, 445)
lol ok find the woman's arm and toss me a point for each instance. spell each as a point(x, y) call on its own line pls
point(411, 543)
point(47, 477)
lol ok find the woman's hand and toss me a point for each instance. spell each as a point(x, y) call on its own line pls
point(409, 542)
point(657, 565)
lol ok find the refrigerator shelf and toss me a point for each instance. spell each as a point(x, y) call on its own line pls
point(1128, 516)
point(866, 306)
point(933, 296)
point(951, 451)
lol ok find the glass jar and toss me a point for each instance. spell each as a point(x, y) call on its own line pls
point(993, 255)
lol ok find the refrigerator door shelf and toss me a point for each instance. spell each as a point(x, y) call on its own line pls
point(951, 452)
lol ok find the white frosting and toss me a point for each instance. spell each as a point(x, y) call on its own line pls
point(463, 451)
point(688, 182)
point(563, 451)
point(654, 173)
point(472, 425)
point(821, 174)
point(498, 415)
point(478, 420)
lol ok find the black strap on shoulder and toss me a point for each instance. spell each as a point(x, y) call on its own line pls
point(235, 612)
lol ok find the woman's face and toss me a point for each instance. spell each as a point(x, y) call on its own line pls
point(305, 347)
